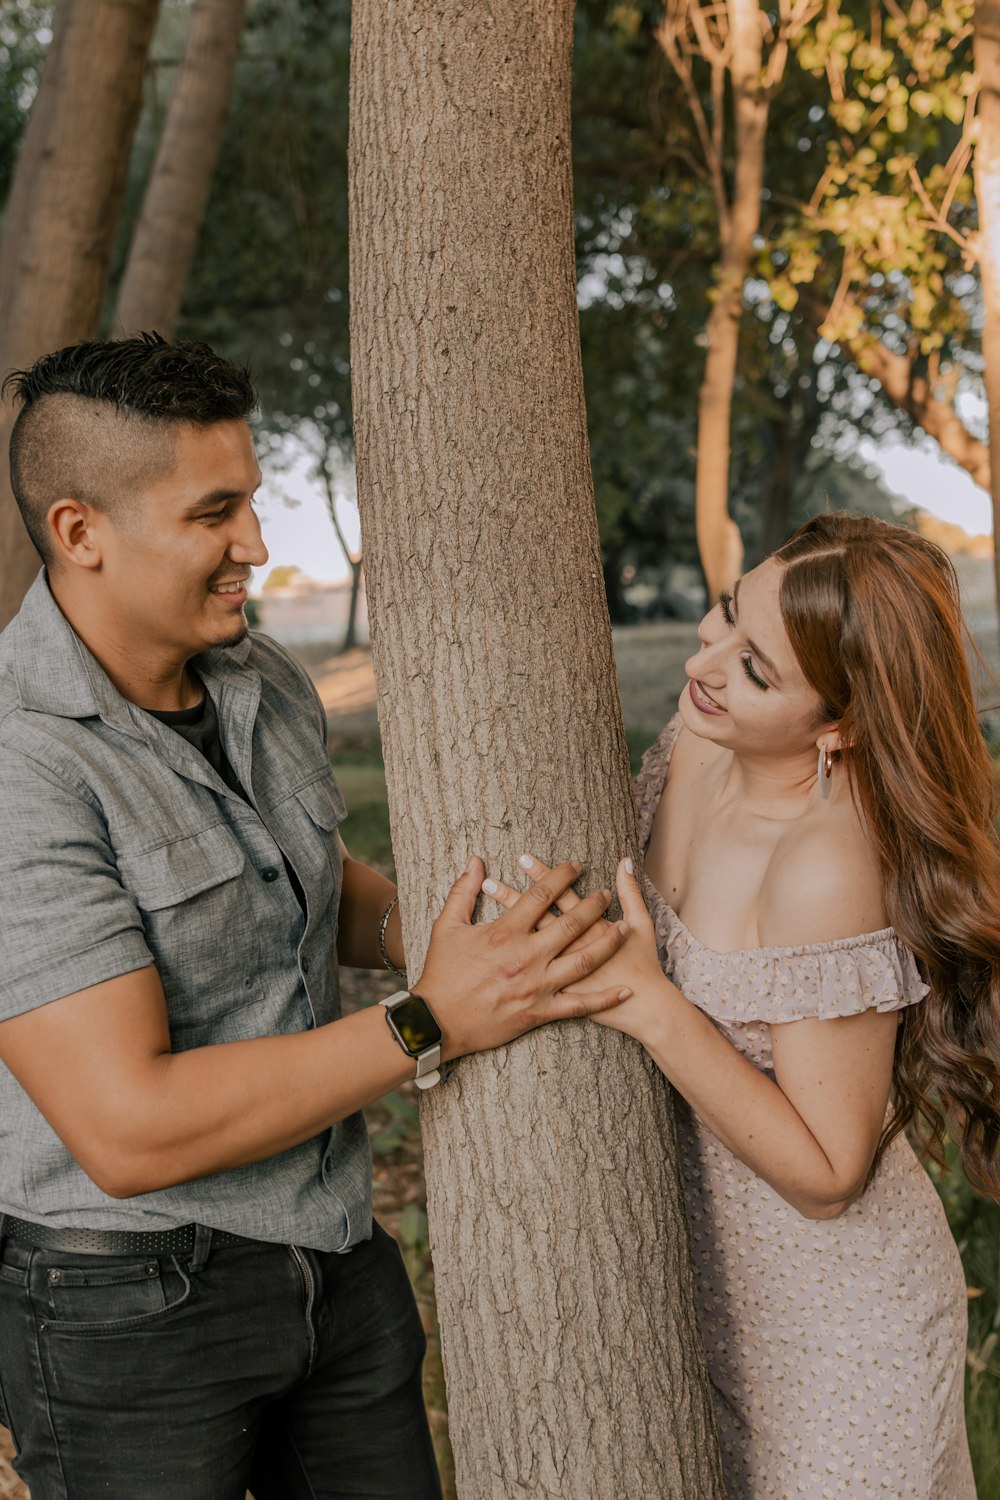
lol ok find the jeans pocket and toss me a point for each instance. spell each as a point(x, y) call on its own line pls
point(99, 1295)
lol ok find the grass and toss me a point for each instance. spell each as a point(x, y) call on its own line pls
point(974, 1220)
point(362, 780)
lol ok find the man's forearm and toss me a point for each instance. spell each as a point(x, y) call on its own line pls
point(215, 1108)
point(365, 894)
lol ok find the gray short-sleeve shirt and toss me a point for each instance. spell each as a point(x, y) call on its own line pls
point(120, 846)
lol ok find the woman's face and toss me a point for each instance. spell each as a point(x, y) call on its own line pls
point(746, 690)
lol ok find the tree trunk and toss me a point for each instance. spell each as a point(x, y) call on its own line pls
point(351, 633)
point(719, 542)
point(62, 239)
point(570, 1339)
point(165, 236)
point(29, 160)
point(987, 183)
point(355, 563)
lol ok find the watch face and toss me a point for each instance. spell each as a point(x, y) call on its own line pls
point(414, 1025)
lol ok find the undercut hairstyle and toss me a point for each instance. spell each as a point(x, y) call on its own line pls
point(98, 422)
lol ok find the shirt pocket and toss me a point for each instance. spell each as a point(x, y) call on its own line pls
point(200, 924)
point(312, 815)
point(324, 802)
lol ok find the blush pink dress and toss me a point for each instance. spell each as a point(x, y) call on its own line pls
point(836, 1349)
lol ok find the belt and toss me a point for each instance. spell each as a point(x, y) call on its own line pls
point(113, 1241)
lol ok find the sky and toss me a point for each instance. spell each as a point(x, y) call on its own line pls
point(921, 475)
point(295, 524)
point(300, 534)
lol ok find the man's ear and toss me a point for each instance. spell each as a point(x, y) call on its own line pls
point(74, 529)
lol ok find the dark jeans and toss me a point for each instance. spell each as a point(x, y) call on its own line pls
point(292, 1373)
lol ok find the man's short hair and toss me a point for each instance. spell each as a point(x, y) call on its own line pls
point(98, 421)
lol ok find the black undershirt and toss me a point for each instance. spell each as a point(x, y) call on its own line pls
point(200, 727)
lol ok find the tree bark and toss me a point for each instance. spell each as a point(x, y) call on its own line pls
point(571, 1347)
point(166, 233)
point(986, 166)
point(57, 263)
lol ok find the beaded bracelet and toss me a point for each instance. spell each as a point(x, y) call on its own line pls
point(382, 953)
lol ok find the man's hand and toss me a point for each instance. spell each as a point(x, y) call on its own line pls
point(489, 983)
point(635, 965)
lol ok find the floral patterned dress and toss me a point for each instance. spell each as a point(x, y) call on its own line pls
point(836, 1349)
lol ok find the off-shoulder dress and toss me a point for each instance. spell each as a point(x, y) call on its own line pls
point(836, 1348)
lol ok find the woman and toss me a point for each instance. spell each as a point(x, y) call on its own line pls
point(831, 937)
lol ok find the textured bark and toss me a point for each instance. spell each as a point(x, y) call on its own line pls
point(166, 233)
point(564, 1286)
point(57, 250)
point(986, 164)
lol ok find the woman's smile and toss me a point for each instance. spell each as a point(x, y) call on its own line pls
point(702, 699)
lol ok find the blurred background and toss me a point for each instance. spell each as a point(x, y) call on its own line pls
point(787, 283)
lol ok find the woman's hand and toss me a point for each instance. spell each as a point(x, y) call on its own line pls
point(635, 965)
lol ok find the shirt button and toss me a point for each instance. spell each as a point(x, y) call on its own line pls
point(305, 966)
point(269, 873)
point(248, 984)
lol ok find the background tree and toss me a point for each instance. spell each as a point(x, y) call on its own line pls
point(163, 241)
point(57, 247)
point(730, 40)
point(560, 1251)
point(987, 178)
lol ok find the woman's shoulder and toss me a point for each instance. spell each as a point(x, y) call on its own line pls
point(823, 881)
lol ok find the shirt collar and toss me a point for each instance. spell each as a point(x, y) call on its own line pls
point(56, 674)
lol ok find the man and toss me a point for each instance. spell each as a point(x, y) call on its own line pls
point(183, 1164)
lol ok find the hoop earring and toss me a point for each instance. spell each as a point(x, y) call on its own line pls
point(824, 773)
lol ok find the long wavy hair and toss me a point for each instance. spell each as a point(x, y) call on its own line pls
point(873, 614)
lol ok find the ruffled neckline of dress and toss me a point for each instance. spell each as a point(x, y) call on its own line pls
point(836, 977)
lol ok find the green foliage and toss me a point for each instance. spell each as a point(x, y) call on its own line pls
point(840, 213)
point(270, 280)
point(366, 832)
point(24, 37)
point(975, 1223)
point(892, 212)
point(402, 1125)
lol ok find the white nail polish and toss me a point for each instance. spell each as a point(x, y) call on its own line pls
point(525, 861)
point(490, 887)
point(629, 867)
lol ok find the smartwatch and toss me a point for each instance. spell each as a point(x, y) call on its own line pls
point(413, 1025)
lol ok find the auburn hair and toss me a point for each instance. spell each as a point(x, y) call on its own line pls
point(874, 618)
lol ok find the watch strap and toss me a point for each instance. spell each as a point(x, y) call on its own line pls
point(429, 1061)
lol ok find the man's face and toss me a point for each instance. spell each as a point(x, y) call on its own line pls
point(178, 565)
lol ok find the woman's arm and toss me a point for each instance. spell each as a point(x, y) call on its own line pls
point(812, 1134)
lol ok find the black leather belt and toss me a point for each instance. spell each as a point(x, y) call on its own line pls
point(113, 1241)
